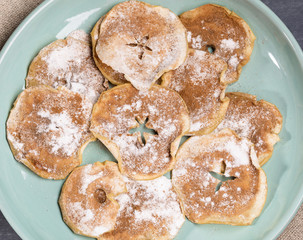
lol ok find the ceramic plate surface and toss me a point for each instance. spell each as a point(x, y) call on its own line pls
point(274, 73)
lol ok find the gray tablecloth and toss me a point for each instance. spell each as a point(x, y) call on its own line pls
point(12, 12)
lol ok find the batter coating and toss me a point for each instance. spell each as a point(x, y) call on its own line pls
point(240, 196)
point(87, 198)
point(118, 113)
point(149, 210)
point(216, 29)
point(199, 82)
point(48, 129)
point(69, 63)
point(141, 41)
point(259, 121)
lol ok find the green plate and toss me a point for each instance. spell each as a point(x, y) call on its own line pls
point(274, 73)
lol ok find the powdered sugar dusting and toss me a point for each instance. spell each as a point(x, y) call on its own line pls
point(47, 127)
point(197, 80)
point(251, 119)
point(88, 178)
point(238, 149)
point(233, 61)
point(229, 47)
point(84, 218)
point(239, 123)
point(231, 52)
point(239, 152)
point(65, 134)
point(14, 140)
point(151, 203)
point(59, 59)
point(69, 63)
point(229, 44)
point(80, 35)
point(196, 42)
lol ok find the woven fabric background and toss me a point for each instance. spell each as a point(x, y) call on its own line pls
point(12, 12)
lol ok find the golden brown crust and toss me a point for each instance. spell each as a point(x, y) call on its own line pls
point(113, 76)
point(259, 121)
point(48, 129)
point(149, 210)
point(199, 82)
point(87, 199)
point(162, 109)
point(224, 31)
point(69, 63)
point(141, 41)
point(240, 199)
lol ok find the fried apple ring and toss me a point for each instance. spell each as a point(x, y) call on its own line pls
point(48, 129)
point(141, 41)
point(218, 30)
point(219, 180)
point(115, 121)
point(259, 121)
point(199, 82)
point(69, 63)
point(87, 199)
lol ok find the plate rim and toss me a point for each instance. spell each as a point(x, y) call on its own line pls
point(262, 7)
